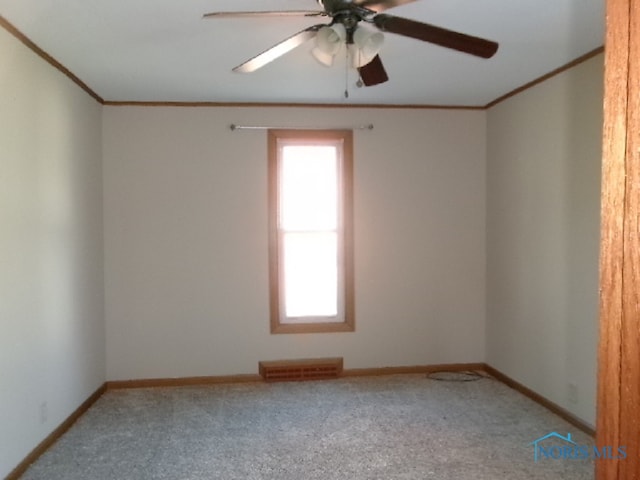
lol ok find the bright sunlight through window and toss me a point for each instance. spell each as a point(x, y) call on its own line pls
point(309, 224)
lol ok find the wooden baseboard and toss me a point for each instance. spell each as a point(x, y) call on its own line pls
point(42, 447)
point(181, 381)
point(545, 402)
point(247, 378)
point(445, 367)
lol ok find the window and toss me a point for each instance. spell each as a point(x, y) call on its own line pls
point(311, 231)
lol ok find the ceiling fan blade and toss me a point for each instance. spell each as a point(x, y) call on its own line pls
point(381, 5)
point(266, 13)
point(278, 50)
point(373, 73)
point(437, 35)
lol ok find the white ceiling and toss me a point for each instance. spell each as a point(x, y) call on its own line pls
point(163, 51)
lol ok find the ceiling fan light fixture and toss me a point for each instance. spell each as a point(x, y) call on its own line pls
point(322, 57)
point(329, 41)
point(366, 45)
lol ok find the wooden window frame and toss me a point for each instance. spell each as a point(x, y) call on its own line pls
point(346, 240)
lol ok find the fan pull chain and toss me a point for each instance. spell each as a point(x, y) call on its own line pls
point(346, 74)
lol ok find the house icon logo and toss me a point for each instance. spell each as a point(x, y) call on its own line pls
point(538, 447)
point(554, 446)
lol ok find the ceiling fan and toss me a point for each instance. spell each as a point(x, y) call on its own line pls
point(344, 27)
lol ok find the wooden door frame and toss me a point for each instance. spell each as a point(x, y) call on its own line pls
point(618, 415)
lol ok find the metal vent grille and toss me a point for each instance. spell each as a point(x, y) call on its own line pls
point(302, 369)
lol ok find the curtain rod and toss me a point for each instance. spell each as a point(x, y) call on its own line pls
point(235, 127)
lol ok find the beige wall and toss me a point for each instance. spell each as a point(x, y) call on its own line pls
point(543, 193)
point(52, 343)
point(186, 240)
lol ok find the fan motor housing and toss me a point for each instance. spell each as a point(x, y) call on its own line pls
point(334, 6)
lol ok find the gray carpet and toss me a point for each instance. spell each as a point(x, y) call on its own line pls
point(390, 427)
